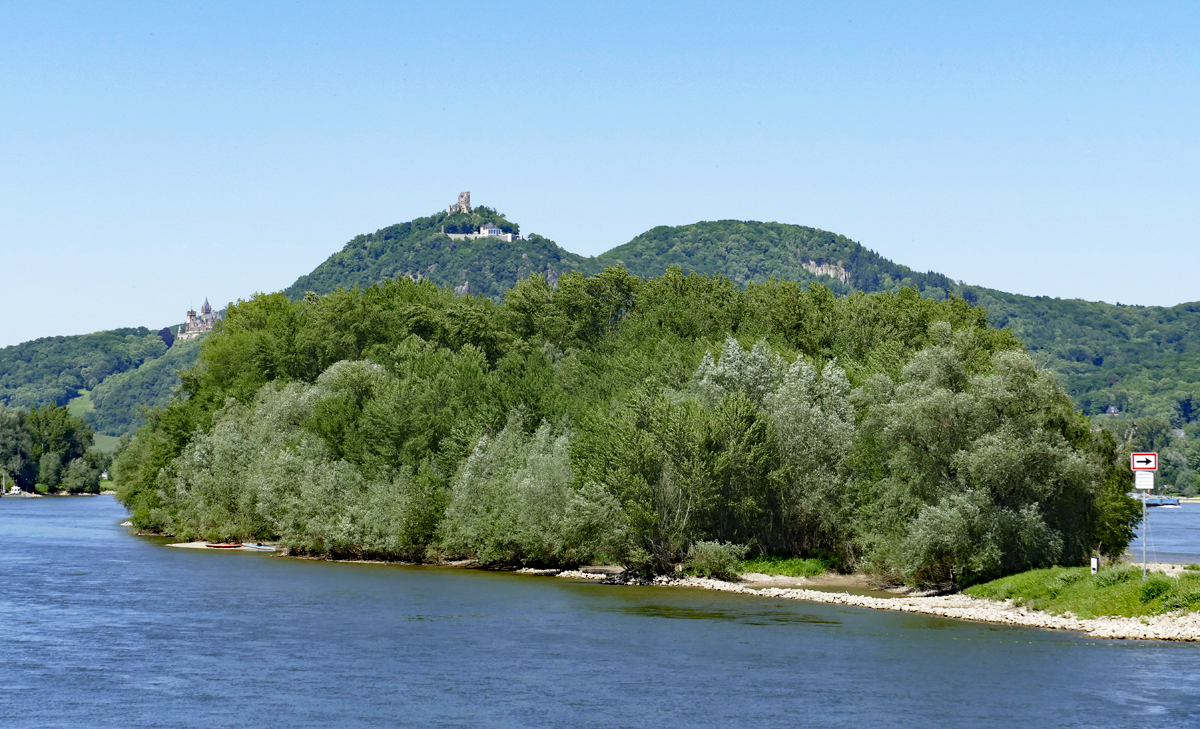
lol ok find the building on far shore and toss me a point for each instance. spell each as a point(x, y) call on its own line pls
point(198, 324)
point(487, 230)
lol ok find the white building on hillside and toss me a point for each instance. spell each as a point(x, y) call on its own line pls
point(487, 230)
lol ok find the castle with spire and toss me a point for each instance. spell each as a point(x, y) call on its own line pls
point(198, 324)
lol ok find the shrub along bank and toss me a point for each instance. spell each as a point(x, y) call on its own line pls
point(766, 564)
point(644, 421)
point(1118, 590)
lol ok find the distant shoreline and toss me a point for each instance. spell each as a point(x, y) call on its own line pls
point(31, 495)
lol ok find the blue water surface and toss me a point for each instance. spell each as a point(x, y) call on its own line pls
point(1174, 535)
point(105, 629)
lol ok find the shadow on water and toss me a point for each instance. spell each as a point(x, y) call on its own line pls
point(748, 617)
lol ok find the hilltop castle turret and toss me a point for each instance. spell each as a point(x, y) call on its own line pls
point(198, 324)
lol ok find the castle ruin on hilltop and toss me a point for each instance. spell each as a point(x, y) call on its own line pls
point(198, 324)
point(463, 205)
point(487, 230)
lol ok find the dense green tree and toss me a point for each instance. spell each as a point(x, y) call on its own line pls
point(979, 472)
point(628, 418)
point(1118, 363)
point(50, 466)
point(52, 429)
point(80, 475)
point(817, 428)
point(16, 449)
point(513, 503)
point(1138, 361)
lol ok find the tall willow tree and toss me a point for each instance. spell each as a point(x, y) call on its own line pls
point(978, 471)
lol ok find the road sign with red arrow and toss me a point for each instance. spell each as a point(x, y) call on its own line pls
point(1144, 461)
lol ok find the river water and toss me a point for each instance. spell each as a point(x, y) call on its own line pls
point(101, 628)
point(1174, 535)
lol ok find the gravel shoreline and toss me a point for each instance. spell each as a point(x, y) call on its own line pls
point(1177, 627)
point(1172, 626)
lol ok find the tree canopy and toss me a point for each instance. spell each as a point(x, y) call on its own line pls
point(619, 417)
point(48, 449)
point(1132, 361)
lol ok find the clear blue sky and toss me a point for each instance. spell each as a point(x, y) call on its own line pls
point(152, 155)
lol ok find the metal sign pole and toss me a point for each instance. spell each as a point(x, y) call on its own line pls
point(1143, 466)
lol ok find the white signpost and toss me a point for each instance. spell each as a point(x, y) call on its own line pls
point(1144, 465)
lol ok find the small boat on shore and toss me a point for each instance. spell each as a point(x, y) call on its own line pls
point(223, 545)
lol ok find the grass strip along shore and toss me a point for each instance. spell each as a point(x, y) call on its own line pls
point(1118, 590)
point(1177, 626)
point(1113, 604)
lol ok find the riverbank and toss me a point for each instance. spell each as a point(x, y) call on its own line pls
point(857, 591)
point(31, 495)
point(1176, 627)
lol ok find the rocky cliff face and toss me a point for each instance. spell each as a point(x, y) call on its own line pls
point(836, 270)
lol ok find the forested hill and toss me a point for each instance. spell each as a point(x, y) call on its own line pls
point(743, 251)
point(108, 377)
point(1143, 361)
point(1140, 360)
point(56, 369)
point(418, 249)
point(749, 251)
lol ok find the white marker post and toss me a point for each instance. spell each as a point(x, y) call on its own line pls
point(1144, 465)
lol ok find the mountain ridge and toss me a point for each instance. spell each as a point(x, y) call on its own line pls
point(1115, 360)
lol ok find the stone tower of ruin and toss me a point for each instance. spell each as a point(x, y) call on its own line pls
point(463, 205)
